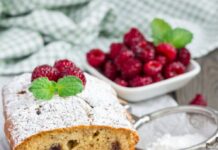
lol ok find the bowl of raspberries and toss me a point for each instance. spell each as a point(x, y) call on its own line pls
point(140, 69)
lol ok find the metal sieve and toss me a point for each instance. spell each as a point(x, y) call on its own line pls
point(199, 119)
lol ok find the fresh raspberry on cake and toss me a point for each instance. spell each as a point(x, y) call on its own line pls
point(96, 57)
point(174, 69)
point(131, 68)
point(115, 49)
point(121, 82)
point(152, 68)
point(140, 81)
point(62, 64)
point(73, 72)
point(133, 37)
point(122, 57)
point(110, 70)
point(45, 71)
point(184, 56)
point(167, 50)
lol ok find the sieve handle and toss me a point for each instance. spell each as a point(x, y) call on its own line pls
point(213, 144)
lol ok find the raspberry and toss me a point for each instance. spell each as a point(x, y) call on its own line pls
point(121, 82)
point(45, 71)
point(184, 56)
point(122, 57)
point(174, 69)
point(158, 78)
point(145, 52)
point(150, 44)
point(132, 37)
point(199, 100)
point(62, 64)
point(115, 49)
point(131, 68)
point(139, 46)
point(167, 50)
point(110, 70)
point(140, 81)
point(161, 59)
point(96, 57)
point(152, 68)
point(73, 72)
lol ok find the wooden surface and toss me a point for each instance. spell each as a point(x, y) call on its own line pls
point(205, 83)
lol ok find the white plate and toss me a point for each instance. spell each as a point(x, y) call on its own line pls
point(152, 90)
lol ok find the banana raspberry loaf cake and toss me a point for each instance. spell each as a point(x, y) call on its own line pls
point(90, 120)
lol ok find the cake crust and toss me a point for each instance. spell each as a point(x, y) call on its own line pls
point(96, 108)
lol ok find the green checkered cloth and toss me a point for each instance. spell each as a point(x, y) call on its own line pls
point(34, 32)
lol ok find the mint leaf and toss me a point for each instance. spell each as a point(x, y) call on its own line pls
point(159, 30)
point(69, 85)
point(179, 37)
point(42, 88)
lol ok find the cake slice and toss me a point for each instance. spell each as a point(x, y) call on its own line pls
point(90, 120)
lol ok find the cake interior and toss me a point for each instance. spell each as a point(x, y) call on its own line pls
point(81, 138)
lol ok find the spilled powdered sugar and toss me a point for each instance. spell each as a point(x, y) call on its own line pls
point(96, 105)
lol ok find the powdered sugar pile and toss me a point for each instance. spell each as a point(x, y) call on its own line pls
point(169, 142)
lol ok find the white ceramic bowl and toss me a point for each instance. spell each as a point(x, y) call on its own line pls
point(152, 90)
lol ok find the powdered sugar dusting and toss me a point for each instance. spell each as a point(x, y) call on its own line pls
point(98, 93)
point(96, 105)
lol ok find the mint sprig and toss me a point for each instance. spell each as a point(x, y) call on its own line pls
point(179, 37)
point(163, 32)
point(69, 86)
point(159, 28)
point(44, 89)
